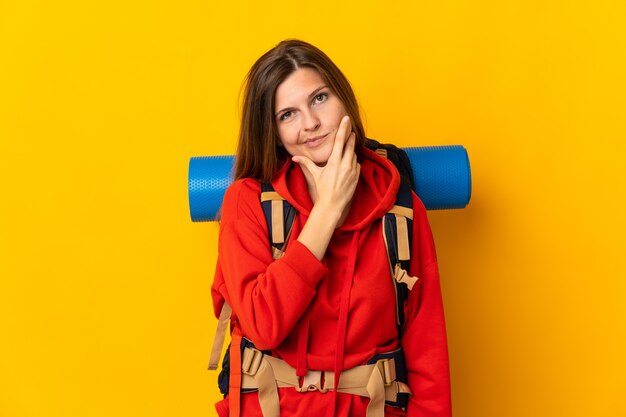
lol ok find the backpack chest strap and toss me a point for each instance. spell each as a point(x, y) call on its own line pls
point(403, 277)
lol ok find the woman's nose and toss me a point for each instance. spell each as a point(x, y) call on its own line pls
point(311, 120)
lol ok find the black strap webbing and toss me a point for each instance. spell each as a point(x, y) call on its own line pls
point(403, 199)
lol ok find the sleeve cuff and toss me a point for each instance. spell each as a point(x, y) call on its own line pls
point(299, 258)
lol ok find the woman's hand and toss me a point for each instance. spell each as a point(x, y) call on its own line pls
point(332, 189)
point(334, 184)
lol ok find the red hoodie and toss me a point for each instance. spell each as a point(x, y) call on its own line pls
point(340, 312)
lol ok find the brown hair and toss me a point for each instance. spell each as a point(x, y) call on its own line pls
point(258, 153)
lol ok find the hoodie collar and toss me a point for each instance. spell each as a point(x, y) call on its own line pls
point(375, 193)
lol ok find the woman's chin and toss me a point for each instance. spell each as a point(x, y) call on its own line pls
point(321, 158)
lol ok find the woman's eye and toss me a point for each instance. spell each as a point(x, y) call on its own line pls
point(285, 115)
point(321, 97)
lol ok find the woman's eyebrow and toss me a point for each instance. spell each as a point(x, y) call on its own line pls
point(310, 97)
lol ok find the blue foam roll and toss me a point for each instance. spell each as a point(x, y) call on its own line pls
point(441, 174)
point(209, 177)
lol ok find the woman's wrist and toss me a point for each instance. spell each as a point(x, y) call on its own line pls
point(319, 228)
point(329, 211)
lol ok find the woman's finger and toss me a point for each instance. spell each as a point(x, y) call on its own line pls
point(340, 139)
point(349, 150)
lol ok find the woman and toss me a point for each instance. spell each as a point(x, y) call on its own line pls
point(322, 307)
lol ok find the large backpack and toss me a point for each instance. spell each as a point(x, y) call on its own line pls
point(397, 227)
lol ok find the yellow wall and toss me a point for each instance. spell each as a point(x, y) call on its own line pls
point(104, 290)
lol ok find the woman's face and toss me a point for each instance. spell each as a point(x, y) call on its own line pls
point(307, 115)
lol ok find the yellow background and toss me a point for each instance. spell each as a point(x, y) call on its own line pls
point(104, 291)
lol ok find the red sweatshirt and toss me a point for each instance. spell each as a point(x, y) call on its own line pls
point(293, 306)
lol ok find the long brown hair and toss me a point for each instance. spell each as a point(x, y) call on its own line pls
point(258, 154)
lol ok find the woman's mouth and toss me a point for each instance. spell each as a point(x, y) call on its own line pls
point(316, 141)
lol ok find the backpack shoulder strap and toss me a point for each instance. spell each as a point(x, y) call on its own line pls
point(279, 216)
point(398, 226)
